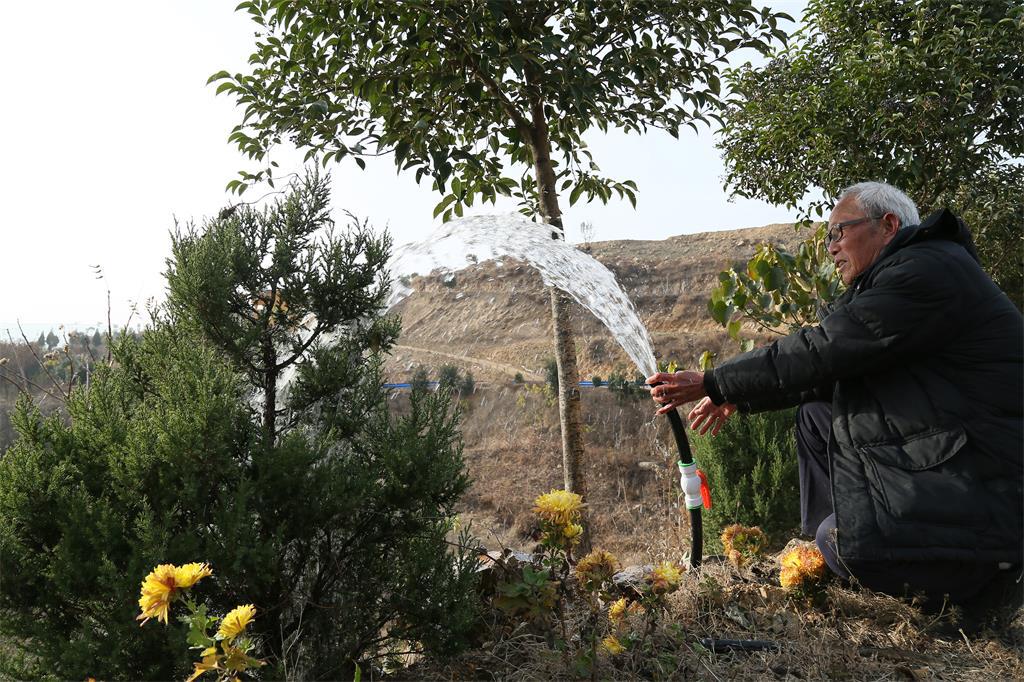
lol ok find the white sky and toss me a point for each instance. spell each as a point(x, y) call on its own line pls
point(109, 133)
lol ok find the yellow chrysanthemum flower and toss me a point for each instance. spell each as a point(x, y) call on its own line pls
point(617, 611)
point(665, 577)
point(235, 622)
point(157, 591)
point(188, 575)
point(162, 585)
point(801, 565)
point(559, 507)
point(596, 568)
point(572, 532)
point(612, 645)
point(790, 577)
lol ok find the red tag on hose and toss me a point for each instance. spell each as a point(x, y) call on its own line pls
point(705, 489)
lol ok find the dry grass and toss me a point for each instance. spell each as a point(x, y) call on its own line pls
point(513, 454)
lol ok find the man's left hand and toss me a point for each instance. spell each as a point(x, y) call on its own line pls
point(676, 389)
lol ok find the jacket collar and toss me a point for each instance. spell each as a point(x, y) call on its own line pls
point(941, 224)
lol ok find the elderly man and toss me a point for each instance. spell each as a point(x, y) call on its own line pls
point(909, 432)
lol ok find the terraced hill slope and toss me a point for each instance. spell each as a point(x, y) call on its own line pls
point(493, 319)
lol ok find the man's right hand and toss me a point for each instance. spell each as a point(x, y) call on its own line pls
point(706, 415)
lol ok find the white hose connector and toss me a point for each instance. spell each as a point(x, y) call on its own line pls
point(689, 481)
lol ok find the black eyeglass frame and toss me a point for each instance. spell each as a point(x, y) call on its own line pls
point(838, 228)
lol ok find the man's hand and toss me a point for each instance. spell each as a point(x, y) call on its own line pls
point(673, 390)
point(706, 415)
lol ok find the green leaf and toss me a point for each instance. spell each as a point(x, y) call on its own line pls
point(719, 312)
point(443, 204)
point(218, 76)
point(775, 279)
point(575, 194)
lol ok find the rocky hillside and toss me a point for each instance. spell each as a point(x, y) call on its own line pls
point(494, 320)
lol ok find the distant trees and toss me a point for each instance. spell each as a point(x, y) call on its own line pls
point(465, 92)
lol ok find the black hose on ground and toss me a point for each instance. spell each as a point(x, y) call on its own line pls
point(696, 521)
point(722, 646)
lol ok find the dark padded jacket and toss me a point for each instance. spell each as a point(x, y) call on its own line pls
point(923, 358)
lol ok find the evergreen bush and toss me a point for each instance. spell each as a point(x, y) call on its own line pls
point(332, 518)
point(621, 386)
point(448, 377)
point(420, 382)
point(551, 374)
point(751, 467)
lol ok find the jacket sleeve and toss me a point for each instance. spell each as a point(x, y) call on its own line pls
point(902, 311)
point(776, 401)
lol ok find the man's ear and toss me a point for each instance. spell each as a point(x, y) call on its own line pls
point(890, 224)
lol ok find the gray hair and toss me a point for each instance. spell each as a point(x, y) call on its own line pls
point(878, 198)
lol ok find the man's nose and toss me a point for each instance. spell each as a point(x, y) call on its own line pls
point(833, 247)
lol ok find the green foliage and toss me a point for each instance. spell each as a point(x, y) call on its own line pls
point(47, 378)
point(531, 595)
point(551, 374)
point(468, 384)
point(335, 529)
point(596, 380)
point(448, 377)
point(518, 378)
point(460, 90)
point(925, 95)
point(751, 468)
point(420, 382)
point(252, 280)
point(621, 386)
point(706, 360)
point(775, 290)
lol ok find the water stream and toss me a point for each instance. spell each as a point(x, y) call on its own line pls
point(464, 241)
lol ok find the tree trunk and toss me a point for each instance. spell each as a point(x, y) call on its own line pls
point(569, 410)
point(270, 391)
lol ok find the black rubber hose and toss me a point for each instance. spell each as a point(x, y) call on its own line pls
point(696, 521)
point(721, 646)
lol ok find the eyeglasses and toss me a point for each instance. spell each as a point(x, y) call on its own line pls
point(835, 232)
